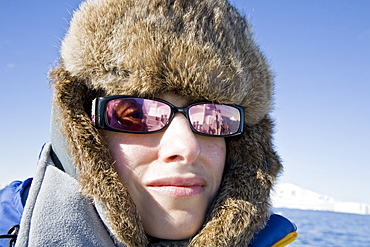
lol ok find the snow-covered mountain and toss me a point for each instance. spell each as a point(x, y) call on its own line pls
point(291, 196)
point(2, 187)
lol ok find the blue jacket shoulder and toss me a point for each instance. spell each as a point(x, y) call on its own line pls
point(12, 201)
point(279, 231)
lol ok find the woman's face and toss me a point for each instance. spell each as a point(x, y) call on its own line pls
point(172, 175)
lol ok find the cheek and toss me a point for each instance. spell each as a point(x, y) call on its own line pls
point(215, 148)
point(128, 155)
point(214, 151)
point(121, 162)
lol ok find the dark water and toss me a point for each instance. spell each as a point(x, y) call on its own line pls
point(327, 229)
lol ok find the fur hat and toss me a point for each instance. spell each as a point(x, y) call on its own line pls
point(201, 49)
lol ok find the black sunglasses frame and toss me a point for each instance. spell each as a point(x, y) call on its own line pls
point(98, 115)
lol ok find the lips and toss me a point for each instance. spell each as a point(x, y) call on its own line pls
point(178, 186)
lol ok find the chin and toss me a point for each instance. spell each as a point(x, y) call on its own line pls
point(176, 227)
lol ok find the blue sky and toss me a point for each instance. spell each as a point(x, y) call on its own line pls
point(319, 51)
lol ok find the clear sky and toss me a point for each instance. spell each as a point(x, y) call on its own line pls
point(319, 51)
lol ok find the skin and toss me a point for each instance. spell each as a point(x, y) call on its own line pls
point(172, 175)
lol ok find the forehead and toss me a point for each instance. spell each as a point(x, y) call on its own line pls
point(175, 99)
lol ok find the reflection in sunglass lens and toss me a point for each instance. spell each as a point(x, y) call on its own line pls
point(137, 115)
point(157, 114)
point(215, 119)
point(125, 114)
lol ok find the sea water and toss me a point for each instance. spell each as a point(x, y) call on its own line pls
point(327, 229)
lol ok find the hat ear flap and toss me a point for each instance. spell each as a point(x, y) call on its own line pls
point(92, 158)
point(244, 198)
point(69, 102)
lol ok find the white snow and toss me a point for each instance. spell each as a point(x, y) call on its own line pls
point(288, 195)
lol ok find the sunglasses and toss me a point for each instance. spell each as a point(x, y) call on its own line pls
point(147, 115)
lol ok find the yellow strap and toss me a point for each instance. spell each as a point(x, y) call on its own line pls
point(286, 240)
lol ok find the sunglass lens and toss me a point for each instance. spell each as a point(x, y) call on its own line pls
point(214, 119)
point(137, 115)
point(157, 114)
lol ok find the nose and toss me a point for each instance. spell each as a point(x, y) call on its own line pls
point(179, 143)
